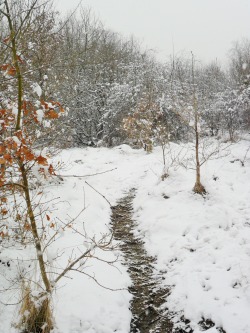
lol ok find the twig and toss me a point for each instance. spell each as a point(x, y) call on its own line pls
point(79, 4)
point(96, 281)
point(99, 193)
point(245, 157)
point(91, 175)
point(70, 267)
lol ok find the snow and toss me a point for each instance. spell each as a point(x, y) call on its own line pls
point(40, 115)
point(38, 90)
point(202, 245)
point(244, 66)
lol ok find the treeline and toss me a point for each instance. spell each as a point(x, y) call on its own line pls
point(71, 82)
point(102, 80)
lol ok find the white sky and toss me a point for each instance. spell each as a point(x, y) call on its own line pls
point(206, 27)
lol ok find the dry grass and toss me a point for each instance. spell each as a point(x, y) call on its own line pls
point(35, 312)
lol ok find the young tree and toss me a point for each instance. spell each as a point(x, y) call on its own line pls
point(147, 126)
point(16, 149)
point(22, 117)
point(186, 103)
point(198, 187)
point(139, 125)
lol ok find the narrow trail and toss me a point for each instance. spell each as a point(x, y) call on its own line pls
point(147, 306)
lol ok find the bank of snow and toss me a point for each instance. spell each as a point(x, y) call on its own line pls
point(202, 245)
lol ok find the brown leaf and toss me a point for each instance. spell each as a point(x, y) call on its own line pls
point(7, 157)
point(51, 170)
point(4, 211)
point(19, 59)
point(27, 226)
point(4, 67)
point(45, 105)
point(6, 39)
point(11, 71)
point(2, 149)
point(42, 160)
point(52, 114)
point(29, 156)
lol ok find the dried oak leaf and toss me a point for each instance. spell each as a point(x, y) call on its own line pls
point(4, 67)
point(52, 114)
point(2, 149)
point(7, 158)
point(51, 170)
point(11, 71)
point(42, 160)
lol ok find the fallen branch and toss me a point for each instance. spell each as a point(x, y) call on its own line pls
point(91, 175)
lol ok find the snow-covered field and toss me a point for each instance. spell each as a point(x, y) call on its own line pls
point(202, 245)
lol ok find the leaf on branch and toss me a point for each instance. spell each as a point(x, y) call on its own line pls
point(11, 144)
point(27, 154)
point(19, 59)
point(7, 158)
point(27, 226)
point(51, 170)
point(11, 71)
point(42, 160)
point(61, 109)
point(24, 107)
point(2, 149)
point(47, 217)
point(45, 105)
point(4, 211)
point(52, 114)
point(4, 67)
point(6, 39)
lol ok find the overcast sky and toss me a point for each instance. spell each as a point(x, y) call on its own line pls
point(206, 27)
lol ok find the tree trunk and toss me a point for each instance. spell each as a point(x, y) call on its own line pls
point(198, 187)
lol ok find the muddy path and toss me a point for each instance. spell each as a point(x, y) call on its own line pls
point(147, 306)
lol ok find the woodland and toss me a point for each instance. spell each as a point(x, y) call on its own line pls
point(69, 84)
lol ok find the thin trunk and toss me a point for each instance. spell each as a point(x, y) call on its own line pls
point(22, 167)
point(198, 170)
point(36, 238)
point(16, 65)
point(198, 187)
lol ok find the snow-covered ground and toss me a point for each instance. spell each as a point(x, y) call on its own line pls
point(202, 245)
